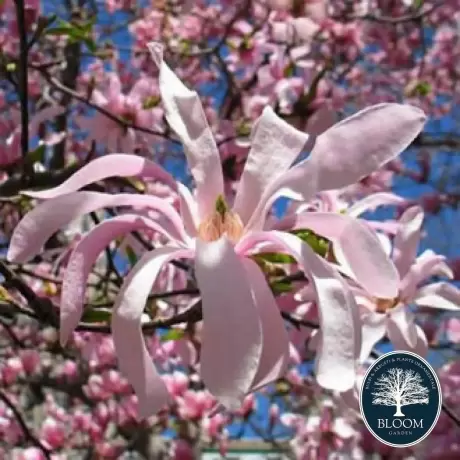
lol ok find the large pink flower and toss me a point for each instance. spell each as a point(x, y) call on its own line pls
point(391, 316)
point(244, 342)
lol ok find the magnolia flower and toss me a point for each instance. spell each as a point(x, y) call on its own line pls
point(391, 316)
point(10, 152)
point(137, 108)
point(244, 342)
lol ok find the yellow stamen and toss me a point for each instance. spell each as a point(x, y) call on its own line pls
point(383, 305)
point(221, 222)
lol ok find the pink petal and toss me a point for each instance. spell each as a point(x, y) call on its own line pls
point(426, 266)
point(399, 338)
point(83, 258)
point(133, 357)
point(357, 248)
point(38, 225)
point(442, 295)
point(275, 146)
point(339, 321)
point(186, 116)
point(43, 115)
point(98, 98)
point(275, 350)
point(406, 240)
point(114, 88)
point(373, 330)
point(232, 332)
point(188, 209)
point(372, 202)
point(401, 328)
point(116, 165)
point(364, 142)
point(355, 148)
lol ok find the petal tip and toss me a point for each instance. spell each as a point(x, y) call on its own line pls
point(156, 49)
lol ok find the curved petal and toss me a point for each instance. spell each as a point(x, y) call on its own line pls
point(43, 115)
point(364, 142)
point(83, 258)
point(373, 330)
point(38, 225)
point(339, 321)
point(399, 339)
point(114, 165)
point(407, 238)
point(188, 209)
point(133, 357)
point(347, 152)
point(372, 202)
point(275, 350)
point(232, 333)
point(186, 117)
point(426, 266)
point(274, 147)
point(440, 295)
point(401, 328)
point(357, 248)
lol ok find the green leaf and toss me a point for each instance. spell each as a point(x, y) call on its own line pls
point(275, 258)
point(172, 334)
point(90, 44)
point(151, 102)
point(11, 67)
point(319, 244)
point(96, 315)
point(280, 287)
point(37, 155)
point(132, 257)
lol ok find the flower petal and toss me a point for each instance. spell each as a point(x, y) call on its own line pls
point(232, 333)
point(440, 295)
point(372, 202)
point(345, 153)
point(274, 147)
point(407, 238)
point(186, 117)
point(339, 321)
point(83, 258)
point(115, 165)
point(133, 357)
point(401, 328)
point(42, 116)
point(275, 350)
point(188, 209)
point(364, 142)
point(399, 338)
point(357, 248)
point(38, 225)
point(373, 330)
point(426, 265)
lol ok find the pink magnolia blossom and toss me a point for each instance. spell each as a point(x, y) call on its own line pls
point(132, 108)
point(238, 354)
point(10, 151)
point(453, 330)
point(391, 316)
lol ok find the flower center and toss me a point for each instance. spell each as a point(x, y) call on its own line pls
point(383, 305)
point(221, 222)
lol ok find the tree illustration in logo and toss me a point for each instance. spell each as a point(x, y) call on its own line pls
point(399, 387)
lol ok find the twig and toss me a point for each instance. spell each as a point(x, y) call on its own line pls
point(23, 85)
point(20, 419)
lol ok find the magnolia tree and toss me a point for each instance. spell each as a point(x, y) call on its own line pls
point(189, 247)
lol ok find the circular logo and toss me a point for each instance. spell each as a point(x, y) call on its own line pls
point(400, 399)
